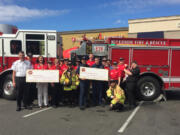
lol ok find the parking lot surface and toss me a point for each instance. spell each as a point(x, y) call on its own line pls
point(161, 118)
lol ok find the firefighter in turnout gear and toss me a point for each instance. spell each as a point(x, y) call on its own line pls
point(70, 82)
point(116, 95)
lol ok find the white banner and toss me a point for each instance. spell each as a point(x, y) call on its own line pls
point(42, 76)
point(93, 74)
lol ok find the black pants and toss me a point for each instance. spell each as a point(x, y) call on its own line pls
point(97, 92)
point(22, 91)
point(118, 106)
point(56, 94)
point(83, 93)
point(32, 92)
point(105, 87)
point(69, 97)
point(131, 87)
point(123, 86)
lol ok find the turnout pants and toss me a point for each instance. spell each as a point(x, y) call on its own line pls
point(42, 93)
point(21, 89)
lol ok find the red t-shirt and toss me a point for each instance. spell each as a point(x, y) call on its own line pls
point(75, 67)
point(64, 67)
point(38, 66)
point(50, 68)
point(121, 71)
point(90, 63)
point(114, 74)
point(106, 67)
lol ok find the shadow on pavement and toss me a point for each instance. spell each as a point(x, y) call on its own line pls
point(173, 95)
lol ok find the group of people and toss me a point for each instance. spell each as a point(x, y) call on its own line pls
point(73, 90)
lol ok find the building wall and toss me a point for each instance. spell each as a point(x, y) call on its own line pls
point(132, 35)
point(171, 23)
point(68, 42)
point(172, 34)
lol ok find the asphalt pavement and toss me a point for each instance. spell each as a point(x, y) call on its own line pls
point(162, 118)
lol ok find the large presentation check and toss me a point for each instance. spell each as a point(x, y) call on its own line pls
point(93, 74)
point(43, 76)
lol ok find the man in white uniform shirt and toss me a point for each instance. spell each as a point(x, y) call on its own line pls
point(19, 68)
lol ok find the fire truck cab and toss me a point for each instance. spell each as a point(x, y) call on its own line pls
point(38, 42)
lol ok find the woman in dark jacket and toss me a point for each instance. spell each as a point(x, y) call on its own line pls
point(131, 82)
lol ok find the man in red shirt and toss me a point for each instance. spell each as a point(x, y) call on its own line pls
point(61, 62)
point(91, 61)
point(121, 67)
point(56, 86)
point(77, 64)
point(114, 73)
point(64, 66)
point(105, 83)
point(49, 64)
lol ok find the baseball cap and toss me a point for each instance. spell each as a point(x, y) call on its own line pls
point(49, 62)
point(83, 58)
point(121, 58)
point(61, 59)
point(104, 59)
point(69, 63)
point(66, 59)
point(77, 60)
point(114, 63)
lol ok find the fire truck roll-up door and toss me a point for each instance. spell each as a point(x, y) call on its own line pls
point(116, 53)
point(175, 68)
point(156, 60)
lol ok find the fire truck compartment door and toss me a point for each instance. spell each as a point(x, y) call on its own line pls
point(116, 53)
point(151, 57)
point(154, 60)
point(175, 68)
point(51, 45)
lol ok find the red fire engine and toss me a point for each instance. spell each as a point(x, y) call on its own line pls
point(38, 42)
point(158, 60)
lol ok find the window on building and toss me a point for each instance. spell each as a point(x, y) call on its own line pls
point(35, 44)
point(15, 46)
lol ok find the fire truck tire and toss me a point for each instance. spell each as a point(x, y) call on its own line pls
point(148, 88)
point(8, 89)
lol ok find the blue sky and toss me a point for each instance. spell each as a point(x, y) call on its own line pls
point(67, 15)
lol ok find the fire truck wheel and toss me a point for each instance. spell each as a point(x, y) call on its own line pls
point(8, 89)
point(148, 88)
